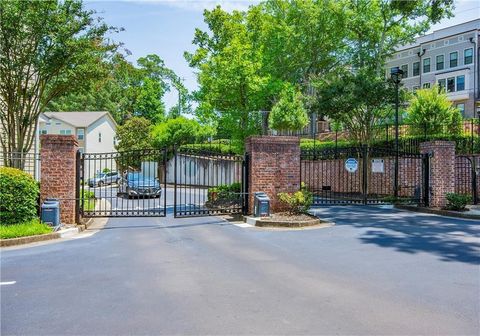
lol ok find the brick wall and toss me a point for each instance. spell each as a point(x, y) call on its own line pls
point(274, 166)
point(58, 169)
point(442, 170)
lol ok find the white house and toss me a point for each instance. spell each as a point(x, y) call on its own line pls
point(95, 131)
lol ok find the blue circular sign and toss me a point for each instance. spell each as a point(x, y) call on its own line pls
point(351, 165)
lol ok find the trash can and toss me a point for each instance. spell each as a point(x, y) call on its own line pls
point(261, 205)
point(51, 212)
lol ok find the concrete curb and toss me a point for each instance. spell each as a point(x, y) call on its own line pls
point(261, 222)
point(64, 233)
point(446, 213)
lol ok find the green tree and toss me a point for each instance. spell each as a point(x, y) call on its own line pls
point(432, 113)
point(47, 48)
point(134, 134)
point(288, 114)
point(179, 131)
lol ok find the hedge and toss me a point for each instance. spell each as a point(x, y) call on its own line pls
point(18, 196)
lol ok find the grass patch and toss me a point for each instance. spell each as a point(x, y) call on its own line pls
point(89, 200)
point(30, 228)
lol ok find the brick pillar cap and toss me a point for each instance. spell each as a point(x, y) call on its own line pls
point(438, 143)
point(273, 139)
point(56, 139)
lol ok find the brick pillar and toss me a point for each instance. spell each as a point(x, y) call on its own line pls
point(274, 166)
point(57, 172)
point(442, 170)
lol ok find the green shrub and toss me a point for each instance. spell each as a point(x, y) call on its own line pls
point(457, 202)
point(224, 194)
point(18, 196)
point(298, 202)
point(89, 200)
point(31, 228)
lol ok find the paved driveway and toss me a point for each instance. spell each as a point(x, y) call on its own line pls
point(376, 272)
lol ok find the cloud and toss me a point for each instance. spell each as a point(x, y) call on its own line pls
point(200, 5)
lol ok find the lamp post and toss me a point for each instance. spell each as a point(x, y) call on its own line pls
point(396, 75)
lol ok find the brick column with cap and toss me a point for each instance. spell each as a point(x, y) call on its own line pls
point(274, 166)
point(442, 170)
point(58, 172)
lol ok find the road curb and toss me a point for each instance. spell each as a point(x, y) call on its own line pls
point(64, 233)
point(446, 213)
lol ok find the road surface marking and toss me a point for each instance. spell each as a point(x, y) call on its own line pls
point(7, 283)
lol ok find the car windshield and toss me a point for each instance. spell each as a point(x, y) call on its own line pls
point(100, 175)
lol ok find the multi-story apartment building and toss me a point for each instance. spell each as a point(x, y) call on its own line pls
point(447, 57)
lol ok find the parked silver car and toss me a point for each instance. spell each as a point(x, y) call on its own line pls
point(104, 179)
point(136, 184)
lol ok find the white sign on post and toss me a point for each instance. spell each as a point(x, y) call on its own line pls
point(378, 166)
point(351, 165)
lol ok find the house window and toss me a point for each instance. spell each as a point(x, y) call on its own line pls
point(461, 107)
point(48, 123)
point(440, 62)
point(80, 134)
point(58, 123)
point(65, 132)
point(442, 83)
point(460, 83)
point(453, 59)
point(405, 70)
point(426, 85)
point(468, 56)
point(426, 65)
point(416, 68)
point(451, 84)
point(43, 131)
point(99, 137)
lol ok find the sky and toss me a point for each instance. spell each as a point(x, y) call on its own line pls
point(166, 28)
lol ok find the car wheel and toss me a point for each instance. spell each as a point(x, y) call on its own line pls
point(100, 183)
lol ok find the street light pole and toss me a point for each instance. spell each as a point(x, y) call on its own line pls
point(396, 75)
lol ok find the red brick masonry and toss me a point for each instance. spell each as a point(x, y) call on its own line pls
point(57, 174)
point(442, 170)
point(274, 166)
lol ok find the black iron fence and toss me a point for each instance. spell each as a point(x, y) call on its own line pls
point(28, 162)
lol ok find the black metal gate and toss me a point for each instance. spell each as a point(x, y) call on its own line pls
point(209, 183)
point(466, 179)
point(362, 175)
point(126, 184)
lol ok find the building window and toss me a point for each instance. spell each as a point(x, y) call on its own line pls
point(416, 68)
point(80, 134)
point(99, 137)
point(460, 83)
point(440, 62)
point(405, 70)
point(426, 85)
point(43, 132)
point(451, 84)
point(426, 65)
point(58, 123)
point(48, 123)
point(65, 132)
point(468, 56)
point(461, 107)
point(442, 83)
point(453, 59)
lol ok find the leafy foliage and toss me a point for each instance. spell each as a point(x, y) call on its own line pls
point(18, 197)
point(47, 48)
point(288, 113)
point(431, 111)
point(297, 202)
point(457, 202)
point(134, 134)
point(179, 131)
point(224, 195)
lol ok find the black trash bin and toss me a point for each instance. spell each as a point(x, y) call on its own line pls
point(51, 212)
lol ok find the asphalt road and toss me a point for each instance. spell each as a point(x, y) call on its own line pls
point(376, 272)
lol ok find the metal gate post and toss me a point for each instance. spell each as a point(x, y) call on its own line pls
point(165, 153)
point(245, 190)
point(474, 180)
point(174, 181)
point(365, 173)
